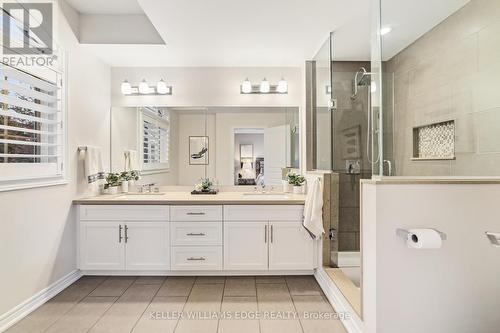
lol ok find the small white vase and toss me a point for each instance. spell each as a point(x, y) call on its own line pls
point(297, 190)
point(286, 187)
point(113, 190)
point(125, 186)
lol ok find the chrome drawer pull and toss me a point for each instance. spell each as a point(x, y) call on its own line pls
point(196, 259)
point(195, 234)
point(126, 233)
point(120, 233)
point(195, 213)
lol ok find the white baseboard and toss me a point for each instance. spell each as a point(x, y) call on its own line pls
point(25, 308)
point(352, 322)
point(196, 273)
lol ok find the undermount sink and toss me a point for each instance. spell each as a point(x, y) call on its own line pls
point(265, 195)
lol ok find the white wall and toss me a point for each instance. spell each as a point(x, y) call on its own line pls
point(204, 86)
point(452, 289)
point(37, 242)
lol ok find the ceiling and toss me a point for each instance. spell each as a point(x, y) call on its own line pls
point(278, 33)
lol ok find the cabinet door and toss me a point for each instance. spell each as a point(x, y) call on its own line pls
point(290, 246)
point(102, 246)
point(245, 245)
point(147, 246)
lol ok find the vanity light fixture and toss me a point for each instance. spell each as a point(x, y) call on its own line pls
point(126, 88)
point(143, 88)
point(264, 87)
point(282, 86)
point(385, 30)
point(246, 87)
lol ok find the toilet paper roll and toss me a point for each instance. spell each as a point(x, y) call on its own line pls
point(424, 239)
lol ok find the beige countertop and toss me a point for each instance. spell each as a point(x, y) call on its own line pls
point(186, 198)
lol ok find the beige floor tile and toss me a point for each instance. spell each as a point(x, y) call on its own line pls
point(161, 315)
point(83, 315)
point(197, 326)
point(126, 311)
point(269, 279)
point(150, 280)
point(210, 279)
point(303, 285)
point(280, 326)
point(238, 304)
point(176, 286)
point(322, 326)
point(312, 304)
point(238, 326)
point(113, 286)
point(93, 279)
point(205, 297)
point(274, 297)
point(43, 317)
point(240, 287)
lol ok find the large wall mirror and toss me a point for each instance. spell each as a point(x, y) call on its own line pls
point(234, 146)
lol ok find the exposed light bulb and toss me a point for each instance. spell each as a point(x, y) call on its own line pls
point(385, 30)
point(143, 87)
point(265, 87)
point(282, 86)
point(126, 88)
point(161, 87)
point(246, 87)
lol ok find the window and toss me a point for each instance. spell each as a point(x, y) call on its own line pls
point(155, 139)
point(31, 128)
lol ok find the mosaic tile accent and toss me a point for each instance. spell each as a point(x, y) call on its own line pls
point(435, 141)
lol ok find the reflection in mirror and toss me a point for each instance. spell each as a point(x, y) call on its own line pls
point(230, 145)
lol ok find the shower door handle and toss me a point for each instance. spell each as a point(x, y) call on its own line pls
point(332, 234)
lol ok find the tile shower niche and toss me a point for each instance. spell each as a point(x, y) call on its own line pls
point(435, 141)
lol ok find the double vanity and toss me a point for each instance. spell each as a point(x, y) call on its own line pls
point(177, 233)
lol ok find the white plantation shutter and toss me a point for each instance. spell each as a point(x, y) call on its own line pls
point(31, 125)
point(155, 139)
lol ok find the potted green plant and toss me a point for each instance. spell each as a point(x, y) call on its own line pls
point(205, 185)
point(128, 178)
point(297, 181)
point(113, 180)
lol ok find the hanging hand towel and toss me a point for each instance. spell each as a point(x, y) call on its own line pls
point(94, 169)
point(131, 160)
point(313, 210)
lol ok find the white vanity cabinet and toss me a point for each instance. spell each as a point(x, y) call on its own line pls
point(266, 238)
point(189, 239)
point(130, 238)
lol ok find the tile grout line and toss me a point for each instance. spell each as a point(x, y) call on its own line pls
point(71, 308)
point(220, 306)
point(184, 306)
point(116, 300)
point(293, 302)
point(147, 306)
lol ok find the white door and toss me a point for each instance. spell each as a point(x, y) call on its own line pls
point(102, 245)
point(147, 246)
point(276, 153)
point(290, 246)
point(246, 245)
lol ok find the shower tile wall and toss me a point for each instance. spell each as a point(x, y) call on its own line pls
point(349, 113)
point(450, 73)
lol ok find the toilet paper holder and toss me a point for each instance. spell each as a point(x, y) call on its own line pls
point(405, 234)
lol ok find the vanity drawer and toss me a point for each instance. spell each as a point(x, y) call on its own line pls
point(263, 213)
point(124, 212)
point(196, 233)
point(196, 213)
point(196, 258)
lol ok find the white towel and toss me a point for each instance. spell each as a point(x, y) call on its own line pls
point(313, 209)
point(94, 169)
point(131, 160)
